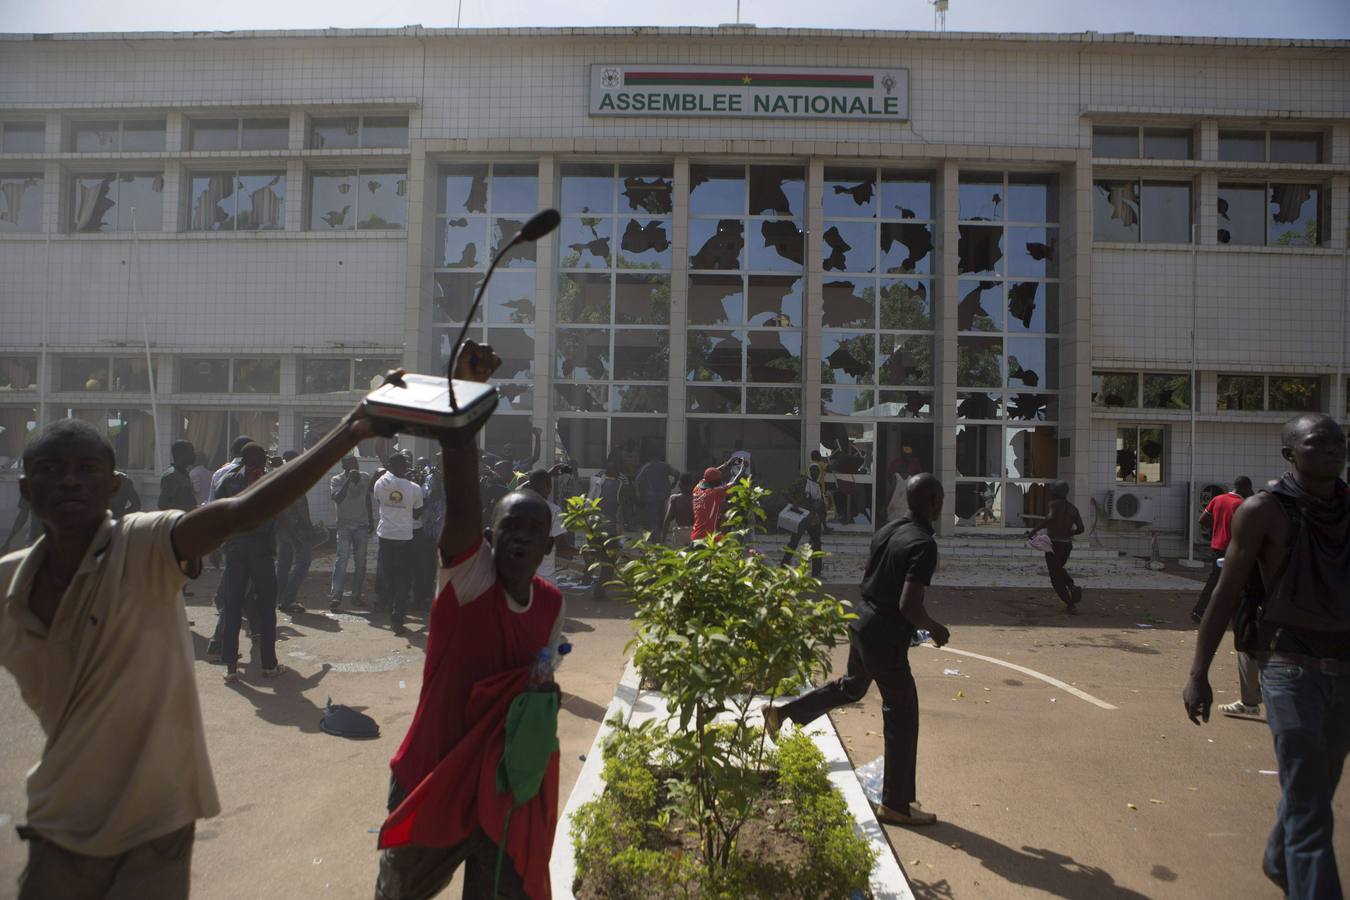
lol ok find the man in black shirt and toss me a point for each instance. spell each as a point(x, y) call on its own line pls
point(903, 557)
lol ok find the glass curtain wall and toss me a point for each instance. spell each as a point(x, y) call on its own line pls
point(1007, 402)
point(876, 350)
point(479, 207)
point(744, 337)
point(612, 333)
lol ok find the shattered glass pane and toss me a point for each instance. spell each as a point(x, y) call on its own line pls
point(583, 441)
point(777, 190)
point(1292, 214)
point(641, 398)
point(714, 355)
point(1033, 452)
point(581, 398)
point(906, 196)
point(642, 299)
point(983, 405)
point(582, 354)
point(587, 188)
point(716, 191)
point(849, 304)
point(140, 201)
point(262, 201)
point(717, 400)
point(325, 376)
point(905, 404)
point(905, 305)
point(646, 189)
point(515, 189)
point(979, 503)
point(1244, 393)
point(980, 307)
point(583, 299)
point(1115, 389)
point(850, 247)
point(716, 300)
point(203, 376)
point(21, 202)
point(1033, 363)
point(463, 189)
point(774, 401)
point(906, 361)
point(1033, 407)
point(851, 193)
point(1242, 214)
point(212, 202)
point(95, 137)
point(979, 451)
point(451, 296)
point(463, 243)
point(516, 348)
point(332, 200)
point(906, 247)
point(980, 249)
point(980, 198)
point(1033, 306)
point(368, 371)
point(263, 376)
point(847, 402)
point(979, 362)
point(1034, 252)
point(848, 357)
point(780, 247)
point(1028, 504)
point(521, 255)
point(1033, 198)
point(774, 357)
point(586, 243)
point(641, 354)
point(775, 301)
point(644, 244)
point(717, 244)
point(1152, 445)
point(1115, 210)
point(510, 298)
point(336, 133)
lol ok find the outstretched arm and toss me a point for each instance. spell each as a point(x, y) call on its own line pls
point(459, 450)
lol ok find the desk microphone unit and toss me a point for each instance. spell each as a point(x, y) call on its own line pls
point(428, 406)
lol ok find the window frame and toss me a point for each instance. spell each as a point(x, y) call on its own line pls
point(1320, 210)
point(1141, 135)
point(41, 178)
point(1139, 183)
point(72, 180)
point(1267, 135)
point(189, 198)
point(1140, 376)
point(351, 361)
point(6, 124)
point(361, 117)
point(239, 121)
point(355, 172)
point(154, 373)
point(75, 124)
point(1138, 428)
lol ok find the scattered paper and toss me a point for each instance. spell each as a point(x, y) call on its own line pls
point(402, 685)
point(1263, 772)
point(1142, 625)
point(1159, 802)
point(317, 860)
point(1130, 806)
point(951, 671)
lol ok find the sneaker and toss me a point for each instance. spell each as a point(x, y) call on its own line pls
point(276, 670)
point(773, 721)
point(295, 609)
point(233, 678)
point(399, 631)
point(335, 605)
point(914, 817)
point(1077, 594)
point(1239, 710)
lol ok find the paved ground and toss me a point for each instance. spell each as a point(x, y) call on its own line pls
point(1035, 796)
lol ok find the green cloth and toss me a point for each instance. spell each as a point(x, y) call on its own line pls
point(531, 738)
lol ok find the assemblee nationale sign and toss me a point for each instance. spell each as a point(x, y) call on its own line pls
point(770, 92)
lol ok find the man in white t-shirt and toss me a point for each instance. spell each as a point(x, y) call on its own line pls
point(541, 482)
point(400, 504)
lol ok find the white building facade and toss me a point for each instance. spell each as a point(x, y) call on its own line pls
point(1115, 260)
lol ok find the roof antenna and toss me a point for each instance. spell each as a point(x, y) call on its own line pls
point(939, 14)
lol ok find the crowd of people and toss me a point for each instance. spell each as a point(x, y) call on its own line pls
point(99, 588)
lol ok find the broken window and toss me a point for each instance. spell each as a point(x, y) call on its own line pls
point(1115, 210)
point(1140, 454)
point(325, 376)
point(1164, 391)
point(237, 201)
point(1241, 210)
point(113, 135)
point(117, 201)
point(1290, 393)
point(1032, 453)
point(351, 199)
point(18, 373)
point(1151, 211)
point(197, 375)
point(1241, 393)
point(1119, 390)
point(1293, 219)
point(23, 137)
point(21, 202)
point(256, 376)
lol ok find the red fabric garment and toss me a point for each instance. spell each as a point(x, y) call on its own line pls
point(708, 505)
point(1221, 510)
point(460, 793)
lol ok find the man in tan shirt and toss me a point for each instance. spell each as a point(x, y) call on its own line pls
point(93, 630)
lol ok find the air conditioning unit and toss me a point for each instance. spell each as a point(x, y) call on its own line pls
point(1129, 506)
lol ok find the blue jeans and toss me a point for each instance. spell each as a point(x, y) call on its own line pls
point(1309, 717)
point(351, 544)
point(293, 558)
point(244, 562)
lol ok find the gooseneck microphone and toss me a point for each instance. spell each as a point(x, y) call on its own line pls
point(540, 224)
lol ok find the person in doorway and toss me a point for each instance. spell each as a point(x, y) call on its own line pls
point(679, 521)
point(653, 483)
point(710, 498)
point(92, 630)
point(813, 490)
point(541, 482)
point(355, 522)
point(175, 486)
point(295, 549)
point(488, 626)
point(1061, 525)
point(900, 566)
point(1288, 564)
point(399, 502)
point(1218, 518)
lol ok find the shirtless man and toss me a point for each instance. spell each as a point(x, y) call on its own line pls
point(1060, 526)
point(1295, 541)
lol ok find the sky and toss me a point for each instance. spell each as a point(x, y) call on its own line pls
point(1229, 18)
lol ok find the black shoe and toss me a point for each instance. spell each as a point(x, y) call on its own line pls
point(399, 631)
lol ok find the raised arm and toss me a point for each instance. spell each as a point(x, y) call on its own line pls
point(1253, 520)
point(207, 527)
point(459, 453)
point(534, 450)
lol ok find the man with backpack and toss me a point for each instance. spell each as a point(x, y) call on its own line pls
point(1289, 563)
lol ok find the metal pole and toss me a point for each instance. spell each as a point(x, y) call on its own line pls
point(459, 12)
point(1190, 561)
point(145, 336)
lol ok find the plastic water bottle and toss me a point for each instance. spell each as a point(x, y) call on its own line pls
point(541, 672)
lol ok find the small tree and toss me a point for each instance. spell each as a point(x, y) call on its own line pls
point(718, 626)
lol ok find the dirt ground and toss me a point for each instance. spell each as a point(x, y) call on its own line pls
point(1040, 793)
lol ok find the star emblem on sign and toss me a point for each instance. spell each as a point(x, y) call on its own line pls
point(745, 79)
point(888, 82)
point(610, 77)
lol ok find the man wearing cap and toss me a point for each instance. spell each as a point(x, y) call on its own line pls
point(710, 499)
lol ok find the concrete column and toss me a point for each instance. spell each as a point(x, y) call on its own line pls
point(175, 133)
point(944, 339)
point(54, 134)
point(677, 436)
point(55, 194)
point(1207, 140)
point(174, 188)
point(1207, 209)
point(419, 352)
point(1075, 329)
point(296, 139)
point(297, 196)
point(813, 311)
point(545, 291)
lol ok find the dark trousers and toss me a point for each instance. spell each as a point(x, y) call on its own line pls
point(812, 529)
point(397, 560)
point(1060, 579)
point(885, 660)
point(653, 512)
point(415, 873)
point(293, 559)
point(424, 568)
point(1308, 712)
point(245, 562)
point(158, 868)
point(1207, 591)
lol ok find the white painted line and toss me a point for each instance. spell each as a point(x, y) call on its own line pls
point(1067, 688)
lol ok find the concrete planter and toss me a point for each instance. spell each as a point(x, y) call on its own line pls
point(633, 706)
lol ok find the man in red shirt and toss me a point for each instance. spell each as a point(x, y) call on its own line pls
point(488, 624)
point(710, 498)
point(1218, 518)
